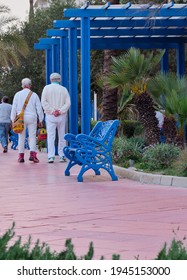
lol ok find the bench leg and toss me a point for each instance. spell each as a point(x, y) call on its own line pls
point(97, 172)
point(82, 171)
point(109, 168)
point(70, 165)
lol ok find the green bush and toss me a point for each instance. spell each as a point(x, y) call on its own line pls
point(180, 165)
point(17, 251)
point(40, 251)
point(127, 148)
point(131, 128)
point(176, 251)
point(160, 156)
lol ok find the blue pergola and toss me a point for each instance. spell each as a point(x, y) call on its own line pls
point(144, 26)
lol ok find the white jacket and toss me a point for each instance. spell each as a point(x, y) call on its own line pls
point(33, 108)
point(55, 97)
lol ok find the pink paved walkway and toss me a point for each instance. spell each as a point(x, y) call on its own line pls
point(123, 217)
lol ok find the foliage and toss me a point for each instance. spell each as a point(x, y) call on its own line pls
point(133, 70)
point(180, 165)
point(40, 251)
point(131, 128)
point(41, 144)
point(176, 251)
point(33, 66)
point(171, 91)
point(124, 149)
point(160, 156)
point(12, 43)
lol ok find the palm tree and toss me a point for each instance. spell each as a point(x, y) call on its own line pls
point(11, 42)
point(132, 72)
point(173, 90)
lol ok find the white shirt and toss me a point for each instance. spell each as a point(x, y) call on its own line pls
point(160, 118)
point(33, 108)
point(55, 97)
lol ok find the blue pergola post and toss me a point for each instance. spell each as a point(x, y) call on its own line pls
point(55, 58)
point(48, 63)
point(73, 78)
point(181, 59)
point(165, 62)
point(85, 74)
point(64, 67)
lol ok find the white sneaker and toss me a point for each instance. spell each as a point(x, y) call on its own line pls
point(62, 159)
point(51, 160)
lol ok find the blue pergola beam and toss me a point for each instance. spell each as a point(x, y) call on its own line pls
point(126, 32)
point(132, 12)
point(123, 23)
point(57, 32)
point(49, 41)
point(39, 46)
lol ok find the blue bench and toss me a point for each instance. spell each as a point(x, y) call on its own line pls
point(14, 139)
point(92, 151)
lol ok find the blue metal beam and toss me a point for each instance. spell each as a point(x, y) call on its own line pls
point(132, 12)
point(85, 74)
point(124, 23)
point(64, 67)
point(57, 32)
point(73, 78)
point(38, 46)
point(126, 32)
point(181, 60)
point(49, 41)
point(165, 62)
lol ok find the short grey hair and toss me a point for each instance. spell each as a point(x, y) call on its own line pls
point(26, 82)
point(55, 77)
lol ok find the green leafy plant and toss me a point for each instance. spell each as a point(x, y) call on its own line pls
point(127, 148)
point(41, 251)
point(160, 156)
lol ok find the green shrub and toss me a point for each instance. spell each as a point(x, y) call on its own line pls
point(180, 165)
point(17, 251)
point(160, 156)
point(127, 148)
point(40, 251)
point(130, 128)
point(176, 251)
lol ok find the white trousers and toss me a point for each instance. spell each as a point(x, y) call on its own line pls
point(30, 123)
point(52, 123)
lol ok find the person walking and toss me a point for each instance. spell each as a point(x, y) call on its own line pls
point(5, 122)
point(56, 103)
point(32, 113)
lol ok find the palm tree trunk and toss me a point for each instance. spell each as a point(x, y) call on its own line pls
point(110, 97)
point(147, 116)
point(31, 10)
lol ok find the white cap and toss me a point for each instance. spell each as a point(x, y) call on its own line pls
point(56, 77)
point(26, 82)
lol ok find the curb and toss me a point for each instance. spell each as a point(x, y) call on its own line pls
point(149, 178)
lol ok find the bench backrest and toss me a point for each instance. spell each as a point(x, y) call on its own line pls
point(105, 131)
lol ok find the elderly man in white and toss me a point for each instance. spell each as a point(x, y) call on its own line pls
point(56, 102)
point(32, 114)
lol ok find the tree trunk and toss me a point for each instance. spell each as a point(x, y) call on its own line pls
point(147, 116)
point(31, 10)
point(110, 97)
